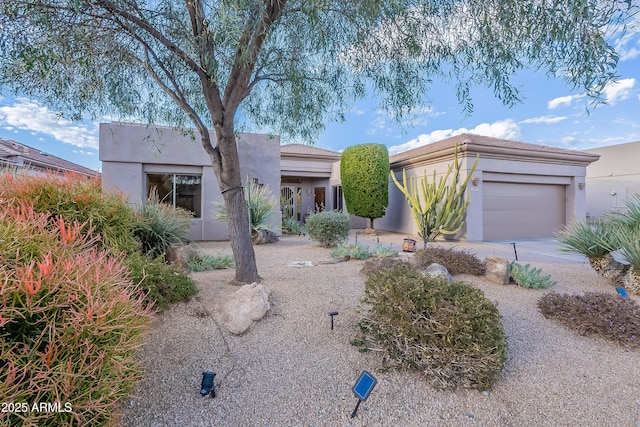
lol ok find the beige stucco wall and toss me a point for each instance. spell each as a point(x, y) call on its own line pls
point(129, 151)
point(613, 178)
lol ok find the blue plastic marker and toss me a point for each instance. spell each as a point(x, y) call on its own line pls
point(622, 293)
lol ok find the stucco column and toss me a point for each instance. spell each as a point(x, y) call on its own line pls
point(474, 219)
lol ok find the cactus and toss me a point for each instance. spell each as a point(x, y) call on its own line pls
point(442, 206)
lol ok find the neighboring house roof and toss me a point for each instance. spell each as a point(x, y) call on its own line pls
point(490, 148)
point(13, 153)
point(302, 150)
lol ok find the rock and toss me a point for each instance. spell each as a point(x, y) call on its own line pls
point(178, 255)
point(437, 270)
point(264, 236)
point(497, 270)
point(298, 264)
point(245, 306)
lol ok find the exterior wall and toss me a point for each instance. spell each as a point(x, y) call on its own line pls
point(488, 169)
point(129, 151)
point(613, 179)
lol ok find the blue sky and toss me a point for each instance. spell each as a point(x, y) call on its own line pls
point(550, 114)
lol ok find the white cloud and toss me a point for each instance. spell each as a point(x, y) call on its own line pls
point(562, 101)
point(505, 129)
point(25, 114)
point(548, 120)
point(619, 91)
point(625, 51)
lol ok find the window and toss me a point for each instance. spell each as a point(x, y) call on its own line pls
point(183, 191)
point(337, 198)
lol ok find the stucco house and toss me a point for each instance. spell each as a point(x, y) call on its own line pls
point(612, 179)
point(517, 191)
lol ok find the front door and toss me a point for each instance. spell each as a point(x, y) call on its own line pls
point(319, 198)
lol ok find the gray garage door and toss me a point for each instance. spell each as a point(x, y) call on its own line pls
point(522, 211)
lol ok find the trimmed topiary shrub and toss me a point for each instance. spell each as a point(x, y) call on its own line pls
point(328, 228)
point(76, 198)
point(450, 332)
point(364, 172)
point(602, 315)
point(455, 261)
point(70, 322)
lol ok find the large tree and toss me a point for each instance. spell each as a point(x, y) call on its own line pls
point(288, 65)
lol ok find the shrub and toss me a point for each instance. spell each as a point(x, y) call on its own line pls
point(378, 264)
point(593, 240)
point(385, 251)
point(528, 277)
point(450, 332)
point(75, 198)
point(208, 262)
point(364, 170)
point(328, 228)
point(291, 226)
point(70, 322)
point(356, 251)
point(261, 202)
point(161, 283)
point(455, 261)
point(161, 226)
point(603, 315)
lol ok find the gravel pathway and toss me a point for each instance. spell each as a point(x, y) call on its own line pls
point(291, 369)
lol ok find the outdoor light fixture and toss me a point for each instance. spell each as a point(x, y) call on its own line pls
point(514, 250)
point(475, 181)
point(581, 185)
point(362, 389)
point(332, 313)
point(207, 386)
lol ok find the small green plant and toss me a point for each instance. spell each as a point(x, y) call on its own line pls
point(385, 251)
point(357, 251)
point(603, 315)
point(209, 262)
point(291, 226)
point(377, 264)
point(162, 284)
point(261, 203)
point(450, 332)
point(455, 261)
point(161, 226)
point(527, 277)
point(328, 228)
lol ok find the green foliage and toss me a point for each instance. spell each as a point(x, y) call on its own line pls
point(455, 261)
point(440, 206)
point(328, 228)
point(161, 226)
point(364, 173)
point(162, 284)
point(593, 240)
point(261, 203)
point(603, 315)
point(209, 262)
point(450, 332)
point(528, 277)
point(70, 322)
point(375, 265)
point(76, 198)
point(291, 225)
point(357, 251)
point(385, 251)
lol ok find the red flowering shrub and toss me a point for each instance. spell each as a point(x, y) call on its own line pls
point(70, 323)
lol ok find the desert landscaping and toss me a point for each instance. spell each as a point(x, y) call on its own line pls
point(290, 368)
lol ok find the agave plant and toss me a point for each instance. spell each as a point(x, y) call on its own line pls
point(261, 205)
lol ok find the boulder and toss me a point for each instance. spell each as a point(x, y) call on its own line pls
point(264, 236)
point(245, 306)
point(178, 255)
point(497, 270)
point(437, 270)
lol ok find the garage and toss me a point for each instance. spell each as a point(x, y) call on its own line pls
point(522, 210)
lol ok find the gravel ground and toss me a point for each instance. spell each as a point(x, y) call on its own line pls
point(291, 369)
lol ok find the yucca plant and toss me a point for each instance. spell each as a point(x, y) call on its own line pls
point(261, 203)
point(162, 226)
point(440, 205)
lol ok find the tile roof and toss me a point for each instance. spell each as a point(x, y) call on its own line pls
point(15, 153)
point(307, 150)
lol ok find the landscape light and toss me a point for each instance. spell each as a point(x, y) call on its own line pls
point(332, 313)
point(362, 389)
point(207, 386)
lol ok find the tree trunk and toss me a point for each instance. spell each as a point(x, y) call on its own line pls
point(226, 165)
